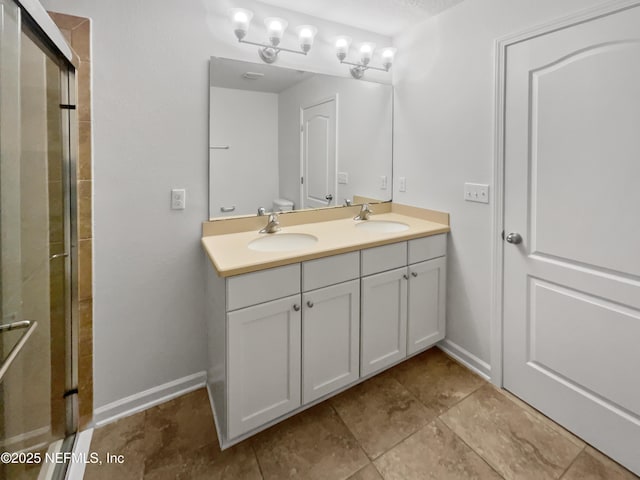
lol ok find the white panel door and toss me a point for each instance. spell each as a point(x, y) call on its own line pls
point(319, 154)
point(426, 314)
point(384, 320)
point(572, 286)
point(330, 339)
point(263, 363)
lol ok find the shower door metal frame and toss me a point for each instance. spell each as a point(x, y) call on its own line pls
point(69, 141)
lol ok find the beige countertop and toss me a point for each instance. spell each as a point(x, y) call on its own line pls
point(230, 254)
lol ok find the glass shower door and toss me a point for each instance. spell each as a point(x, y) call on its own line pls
point(35, 268)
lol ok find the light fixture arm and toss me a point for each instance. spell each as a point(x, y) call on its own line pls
point(364, 67)
point(276, 48)
point(357, 69)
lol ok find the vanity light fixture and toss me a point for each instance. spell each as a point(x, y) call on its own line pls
point(366, 51)
point(241, 19)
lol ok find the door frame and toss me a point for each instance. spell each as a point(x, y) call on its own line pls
point(497, 221)
point(333, 98)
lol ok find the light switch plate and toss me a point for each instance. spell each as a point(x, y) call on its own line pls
point(403, 184)
point(383, 182)
point(178, 199)
point(476, 192)
point(343, 178)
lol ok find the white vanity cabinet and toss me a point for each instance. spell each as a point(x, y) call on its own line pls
point(261, 347)
point(284, 337)
point(427, 292)
point(384, 320)
point(263, 363)
point(403, 307)
point(426, 304)
point(330, 324)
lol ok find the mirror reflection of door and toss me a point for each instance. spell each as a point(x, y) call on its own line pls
point(319, 143)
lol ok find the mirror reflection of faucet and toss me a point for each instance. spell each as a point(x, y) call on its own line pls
point(273, 225)
point(365, 212)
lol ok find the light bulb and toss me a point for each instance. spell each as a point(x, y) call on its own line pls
point(306, 35)
point(342, 47)
point(388, 55)
point(366, 52)
point(275, 29)
point(240, 19)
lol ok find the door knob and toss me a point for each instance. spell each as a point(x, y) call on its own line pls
point(514, 238)
point(328, 197)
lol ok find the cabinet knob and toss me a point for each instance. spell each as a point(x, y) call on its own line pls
point(296, 307)
point(309, 304)
point(405, 276)
point(414, 274)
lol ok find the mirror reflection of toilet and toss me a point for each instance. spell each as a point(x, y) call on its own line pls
point(282, 205)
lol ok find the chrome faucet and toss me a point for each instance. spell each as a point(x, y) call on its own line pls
point(347, 202)
point(261, 211)
point(365, 212)
point(273, 226)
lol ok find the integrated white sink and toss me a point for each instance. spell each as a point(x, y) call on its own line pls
point(282, 242)
point(382, 226)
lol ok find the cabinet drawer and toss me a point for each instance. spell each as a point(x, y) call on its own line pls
point(426, 248)
point(257, 287)
point(330, 270)
point(387, 257)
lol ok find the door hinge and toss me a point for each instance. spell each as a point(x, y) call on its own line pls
point(66, 106)
point(302, 128)
point(302, 180)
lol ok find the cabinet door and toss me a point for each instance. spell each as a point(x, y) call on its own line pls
point(384, 320)
point(330, 339)
point(263, 353)
point(426, 322)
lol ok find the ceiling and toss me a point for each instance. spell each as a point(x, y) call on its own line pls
point(228, 73)
point(386, 17)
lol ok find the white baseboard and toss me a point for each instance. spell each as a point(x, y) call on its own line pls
point(149, 398)
point(28, 438)
point(466, 358)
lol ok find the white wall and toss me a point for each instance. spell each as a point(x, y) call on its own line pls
point(150, 107)
point(444, 134)
point(245, 175)
point(364, 135)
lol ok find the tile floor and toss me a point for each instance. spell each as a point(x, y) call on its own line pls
point(428, 418)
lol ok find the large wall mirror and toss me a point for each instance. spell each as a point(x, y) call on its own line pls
point(287, 138)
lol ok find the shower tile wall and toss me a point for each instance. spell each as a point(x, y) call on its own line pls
point(77, 31)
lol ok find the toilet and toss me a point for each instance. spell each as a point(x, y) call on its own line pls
point(282, 205)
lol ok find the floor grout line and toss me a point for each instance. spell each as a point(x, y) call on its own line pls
point(486, 461)
point(255, 454)
point(572, 462)
point(371, 459)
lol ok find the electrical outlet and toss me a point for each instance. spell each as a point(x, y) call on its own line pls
point(383, 182)
point(343, 178)
point(403, 184)
point(178, 199)
point(476, 192)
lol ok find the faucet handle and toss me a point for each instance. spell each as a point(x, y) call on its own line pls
point(365, 212)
